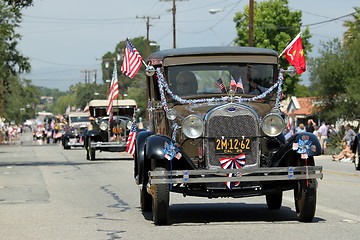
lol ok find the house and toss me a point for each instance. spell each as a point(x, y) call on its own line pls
point(301, 109)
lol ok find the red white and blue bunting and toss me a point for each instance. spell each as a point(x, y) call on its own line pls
point(163, 87)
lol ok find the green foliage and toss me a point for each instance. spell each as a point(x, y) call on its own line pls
point(353, 31)
point(11, 61)
point(136, 87)
point(137, 92)
point(301, 91)
point(19, 3)
point(274, 28)
point(335, 76)
point(18, 109)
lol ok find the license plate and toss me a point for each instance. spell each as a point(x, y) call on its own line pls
point(117, 130)
point(232, 145)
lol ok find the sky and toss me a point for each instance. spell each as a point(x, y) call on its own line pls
point(63, 39)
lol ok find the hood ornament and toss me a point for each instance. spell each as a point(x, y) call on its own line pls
point(231, 94)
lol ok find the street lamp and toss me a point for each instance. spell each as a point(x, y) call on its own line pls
point(216, 10)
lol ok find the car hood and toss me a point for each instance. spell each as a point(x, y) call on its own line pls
point(200, 109)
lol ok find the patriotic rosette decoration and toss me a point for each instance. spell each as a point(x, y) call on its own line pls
point(233, 163)
point(303, 147)
point(171, 151)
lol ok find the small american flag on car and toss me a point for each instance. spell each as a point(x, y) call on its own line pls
point(220, 84)
point(130, 143)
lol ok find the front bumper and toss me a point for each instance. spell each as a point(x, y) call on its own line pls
point(109, 146)
point(243, 175)
point(75, 142)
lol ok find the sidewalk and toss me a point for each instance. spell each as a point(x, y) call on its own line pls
point(23, 138)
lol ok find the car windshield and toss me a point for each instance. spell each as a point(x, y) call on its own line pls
point(193, 80)
point(79, 119)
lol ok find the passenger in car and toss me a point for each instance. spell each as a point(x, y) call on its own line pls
point(254, 82)
point(186, 84)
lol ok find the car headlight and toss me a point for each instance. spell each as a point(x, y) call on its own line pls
point(192, 126)
point(128, 125)
point(272, 124)
point(171, 114)
point(103, 126)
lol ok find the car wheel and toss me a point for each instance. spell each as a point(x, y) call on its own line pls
point(160, 203)
point(66, 144)
point(305, 199)
point(87, 154)
point(92, 153)
point(145, 199)
point(274, 200)
point(357, 165)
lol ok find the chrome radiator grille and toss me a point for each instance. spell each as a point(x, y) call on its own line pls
point(231, 120)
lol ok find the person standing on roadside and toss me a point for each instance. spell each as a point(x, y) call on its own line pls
point(310, 126)
point(349, 135)
point(323, 134)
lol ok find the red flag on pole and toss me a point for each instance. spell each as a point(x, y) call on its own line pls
point(132, 60)
point(294, 53)
point(114, 93)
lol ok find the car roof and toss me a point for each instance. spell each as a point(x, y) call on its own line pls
point(224, 50)
point(78, 114)
point(116, 103)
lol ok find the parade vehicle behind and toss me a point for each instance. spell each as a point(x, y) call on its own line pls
point(105, 135)
point(77, 124)
point(223, 137)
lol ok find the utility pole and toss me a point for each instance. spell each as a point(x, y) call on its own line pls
point(87, 74)
point(147, 31)
point(251, 23)
point(2, 102)
point(174, 19)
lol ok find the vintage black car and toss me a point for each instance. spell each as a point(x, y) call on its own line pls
point(76, 126)
point(356, 148)
point(109, 136)
point(223, 137)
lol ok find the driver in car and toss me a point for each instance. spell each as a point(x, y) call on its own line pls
point(186, 84)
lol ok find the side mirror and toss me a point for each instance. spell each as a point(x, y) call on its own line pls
point(291, 71)
point(150, 70)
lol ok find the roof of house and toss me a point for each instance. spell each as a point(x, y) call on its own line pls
point(301, 106)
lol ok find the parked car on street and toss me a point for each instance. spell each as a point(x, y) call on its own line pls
point(77, 124)
point(222, 137)
point(104, 135)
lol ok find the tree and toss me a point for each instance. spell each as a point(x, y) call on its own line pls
point(274, 28)
point(11, 61)
point(335, 76)
point(18, 109)
point(353, 31)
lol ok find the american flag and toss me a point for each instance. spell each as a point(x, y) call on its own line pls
point(132, 60)
point(239, 84)
point(130, 143)
point(232, 84)
point(220, 84)
point(233, 163)
point(114, 93)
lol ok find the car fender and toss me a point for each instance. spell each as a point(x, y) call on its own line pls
point(356, 144)
point(68, 135)
point(139, 159)
point(155, 145)
point(285, 155)
point(313, 142)
point(91, 134)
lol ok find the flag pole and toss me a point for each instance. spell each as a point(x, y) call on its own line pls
point(291, 43)
point(144, 63)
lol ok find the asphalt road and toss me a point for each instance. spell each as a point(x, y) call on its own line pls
point(50, 193)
